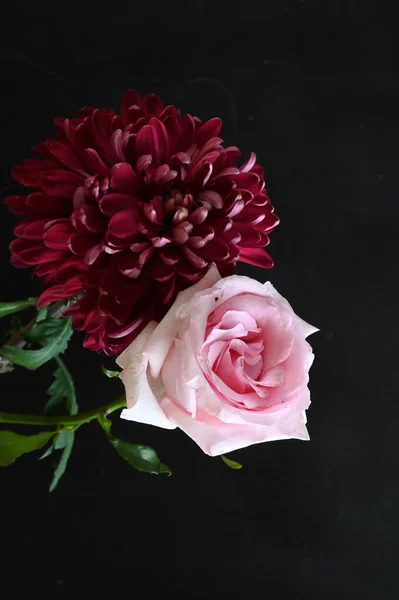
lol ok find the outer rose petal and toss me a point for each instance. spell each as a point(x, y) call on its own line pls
point(179, 373)
point(215, 437)
point(143, 394)
point(271, 291)
point(244, 284)
point(158, 345)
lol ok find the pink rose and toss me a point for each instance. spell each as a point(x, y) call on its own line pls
point(228, 364)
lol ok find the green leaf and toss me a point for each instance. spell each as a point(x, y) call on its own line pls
point(55, 337)
point(142, 458)
point(48, 452)
point(13, 445)
point(59, 443)
point(62, 389)
point(42, 313)
point(8, 308)
point(231, 463)
point(68, 440)
point(62, 439)
point(44, 330)
point(109, 373)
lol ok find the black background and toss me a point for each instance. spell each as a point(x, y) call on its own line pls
point(313, 88)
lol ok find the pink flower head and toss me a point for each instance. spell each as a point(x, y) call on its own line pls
point(228, 364)
point(130, 209)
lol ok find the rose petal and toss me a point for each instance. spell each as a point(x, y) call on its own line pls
point(215, 437)
point(143, 394)
point(161, 339)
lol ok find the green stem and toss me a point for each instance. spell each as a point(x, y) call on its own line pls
point(67, 420)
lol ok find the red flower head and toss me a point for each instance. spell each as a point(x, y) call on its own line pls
point(132, 208)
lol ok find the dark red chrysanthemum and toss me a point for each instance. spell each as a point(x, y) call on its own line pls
point(132, 208)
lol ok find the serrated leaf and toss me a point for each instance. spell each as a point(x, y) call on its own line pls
point(62, 389)
point(44, 330)
point(68, 439)
point(42, 313)
point(48, 452)
point(59, 443)
point(109, 373)
point(62, 439)
point(142, 458)
point(54, 343)
point(231, 463)
point(13, 445)
point(9, 308)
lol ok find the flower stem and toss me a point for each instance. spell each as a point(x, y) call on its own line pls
point(67, 420)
